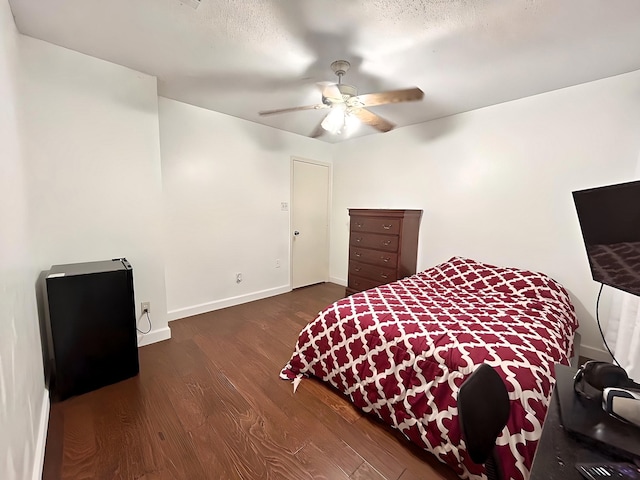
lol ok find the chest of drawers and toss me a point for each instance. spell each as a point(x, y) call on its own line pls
point(383, 246)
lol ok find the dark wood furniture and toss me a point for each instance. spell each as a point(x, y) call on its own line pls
point(383, 247)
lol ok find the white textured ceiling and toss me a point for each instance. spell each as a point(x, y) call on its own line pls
point(242, 56)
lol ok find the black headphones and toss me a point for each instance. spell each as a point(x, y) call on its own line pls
point(593, 377)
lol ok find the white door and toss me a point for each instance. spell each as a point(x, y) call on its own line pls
point(309, 223)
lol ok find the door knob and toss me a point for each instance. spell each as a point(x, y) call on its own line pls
point(296, 233)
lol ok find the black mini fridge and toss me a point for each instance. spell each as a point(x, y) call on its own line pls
point(91, 326)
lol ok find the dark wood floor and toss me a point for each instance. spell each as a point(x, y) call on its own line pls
point(208, 404)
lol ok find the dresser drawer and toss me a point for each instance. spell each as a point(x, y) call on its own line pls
point(358, 283)
point(374, 257)
point(375, 225)
point(373, 240)
point(372, 272)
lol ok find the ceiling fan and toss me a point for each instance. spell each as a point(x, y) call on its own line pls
point(347, 108)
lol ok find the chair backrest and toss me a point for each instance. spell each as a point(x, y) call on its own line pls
point(483, 411)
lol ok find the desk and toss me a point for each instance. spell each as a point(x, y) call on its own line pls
point(558, 451)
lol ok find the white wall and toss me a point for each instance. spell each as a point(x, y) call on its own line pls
point(224, 180)
point(93, 158)
point(495, 184)
point(23, 401)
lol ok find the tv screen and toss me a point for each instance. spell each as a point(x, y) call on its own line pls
point(610, 221)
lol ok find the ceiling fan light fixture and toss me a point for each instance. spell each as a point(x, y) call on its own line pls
point(351, 122)
point(340, 120)
point(335, 121)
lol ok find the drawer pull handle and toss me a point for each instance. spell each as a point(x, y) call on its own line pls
point(387, 227)
point(385, 259)
point(384, 275)
point(358, 239)
point(386, 243)
point(357, 269)
point(358, 225)
point(357, 254)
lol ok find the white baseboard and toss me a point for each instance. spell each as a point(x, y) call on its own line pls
point(226, 302)
point(595, 353)
point(154, 336)
point(41, 439)
point(338, 281)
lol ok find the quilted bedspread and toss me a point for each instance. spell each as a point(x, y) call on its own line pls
point(402, 350)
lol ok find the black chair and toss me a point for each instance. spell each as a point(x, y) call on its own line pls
point(483, 411)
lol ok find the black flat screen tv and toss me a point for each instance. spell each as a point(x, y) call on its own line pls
point(610, 222)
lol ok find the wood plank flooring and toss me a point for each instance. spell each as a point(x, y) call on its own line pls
point(208, 404)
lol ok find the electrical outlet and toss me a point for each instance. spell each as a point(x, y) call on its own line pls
point(277, 263)
point(238, 277)
point(145, 307)
point(284, 206)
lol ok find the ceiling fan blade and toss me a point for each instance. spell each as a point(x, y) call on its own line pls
point(370, 118)
point(293, 109)
point(332, 93)
point(392, 96)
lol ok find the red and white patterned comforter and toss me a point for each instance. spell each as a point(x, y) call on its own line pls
point(402, 350)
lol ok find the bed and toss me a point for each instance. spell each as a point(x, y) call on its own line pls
point(401, 351)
